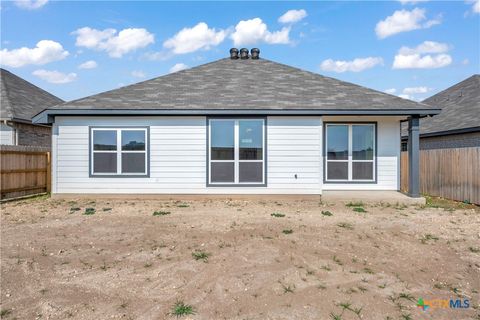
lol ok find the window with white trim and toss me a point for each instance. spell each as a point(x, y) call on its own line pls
point(236, 151)
point(119, 151)
point(350, 152)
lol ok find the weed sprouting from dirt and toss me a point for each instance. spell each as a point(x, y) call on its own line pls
point(277, 215)
point(74, 209)
point(161, 213)
point(89, 211)
point(474, 249)
point(181, 309)
point(355, 204)
point(5, 312)
point(287, 231)
point(427, 237)
point(327, 213)
point(288, 288)
point(183, 205)
point(201, 255)
point(345, 225)
point(106, 209)
point(337, 261)
point(359, 209)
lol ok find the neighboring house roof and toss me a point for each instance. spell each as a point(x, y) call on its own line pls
point(460, 105)
point(21, 100)
point(249, 85)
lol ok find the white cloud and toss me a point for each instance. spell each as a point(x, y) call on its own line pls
point(411, 1)
point(138, 74)
point(390, 91)
point(192, 39)
point(45, 51)
point(404, 20)
point(178, 67)
point(356, 65)
point(116, 45)
point(475, 5)
point(406, 96)
point(90, 64)
point(412, 90)
point(255, 30)
point(292, 16)
point(55, 76)
point(30, 4)
point(427, 55)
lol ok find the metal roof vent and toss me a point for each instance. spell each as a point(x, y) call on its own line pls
point(234, 53)
point(255, 52)
point(244, 53)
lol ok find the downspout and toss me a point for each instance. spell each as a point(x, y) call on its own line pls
point(15, 131)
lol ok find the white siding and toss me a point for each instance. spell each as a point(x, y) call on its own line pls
point(388, 155)
point(6, 134)
point(178, 157)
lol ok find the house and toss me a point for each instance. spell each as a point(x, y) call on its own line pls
point(20, 101)
point(458, 126)
point(239, 125)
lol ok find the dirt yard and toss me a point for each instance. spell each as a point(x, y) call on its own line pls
point(233, 259)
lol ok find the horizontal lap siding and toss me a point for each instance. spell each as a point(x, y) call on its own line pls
point(177, 156)
point(294, 147)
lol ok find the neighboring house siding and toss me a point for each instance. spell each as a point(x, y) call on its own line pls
point(463, 140)
point(178, 157)
point(30, 135)
point(388, 155)
point(6, 134)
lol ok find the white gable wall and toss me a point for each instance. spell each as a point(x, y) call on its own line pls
point(178, 157)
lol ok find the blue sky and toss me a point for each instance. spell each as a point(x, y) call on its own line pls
point(75, 49)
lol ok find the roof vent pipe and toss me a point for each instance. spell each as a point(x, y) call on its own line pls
point(234, 53)
point(255, 52)
point(244, 53)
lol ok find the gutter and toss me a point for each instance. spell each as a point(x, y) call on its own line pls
point(48, 116)
point(11, 124)
point(446, 132)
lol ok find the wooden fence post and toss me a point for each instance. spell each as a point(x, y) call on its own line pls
point(49, 173)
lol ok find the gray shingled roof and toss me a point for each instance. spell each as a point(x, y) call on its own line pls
point(20, 99)
point(460, 105)
point(228, 84)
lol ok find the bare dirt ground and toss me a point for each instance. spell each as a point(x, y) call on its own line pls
point(122, 262)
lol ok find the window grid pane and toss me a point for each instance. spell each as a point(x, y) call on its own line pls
point(247, 153)
point(350, 152)
point(128, 156)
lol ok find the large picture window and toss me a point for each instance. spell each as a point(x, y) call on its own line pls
point(237, 151)
point(119, 151)
point(350, 152)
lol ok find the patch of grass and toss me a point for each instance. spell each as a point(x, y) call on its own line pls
point(337, 261)
point(406, 316)
point(406, 296)
point(288, 288)
point(368, 270)
point(161, 213)
point(427, 237)
point(106, 209)
point(181, 309)
point(201, 255)
point(355, 204)
point(327, 213)
point(474, 249)
point(89, 211)
point(326, 268)
point(334, 316)
point(345, 225)
point(359, 209)
point(277, 215)
point(183, 205)
point(5, 312)
point(448, 205)
point(74, 209)
point(287, 231)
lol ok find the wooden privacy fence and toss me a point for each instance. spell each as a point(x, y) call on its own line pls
point(24, 170)
point(447, 173)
